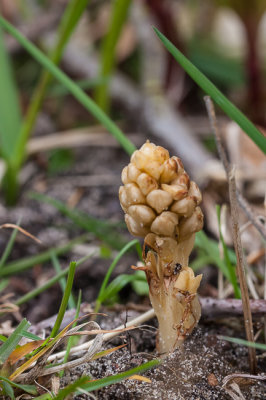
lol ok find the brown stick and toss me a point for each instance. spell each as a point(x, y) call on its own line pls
point(218, 308)
point(211, 309)
point(236, 235)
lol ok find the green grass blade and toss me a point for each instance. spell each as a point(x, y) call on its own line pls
point(100, 228)
point(9, 247)
point(30, 335)
point(25, 388)
point(98, 303)
point(64, 302)
point(3, 284)
point(35, 292)
point(72, 339)
point(7, 389)
point(57, 90)
point(231, 269)
point(242, 342)
point(72, 14)
point(212, 250)
point(116, 286)
point(85, 100)
point(11, 343)
point(110, 380)
point(62, 281)
point(10, 115)
point(207, 86)
point(99, 383)
point(3, 338)
point(119, 15)
point(19, 266)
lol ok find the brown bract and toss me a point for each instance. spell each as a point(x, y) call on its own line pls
point(161, 205)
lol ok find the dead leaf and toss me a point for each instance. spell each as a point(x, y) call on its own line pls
point(26, 233)
point(21, 351)
point(140, 378)
point(212, 380)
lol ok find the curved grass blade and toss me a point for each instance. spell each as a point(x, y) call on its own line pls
point(242, 342)
point(118, 18)
point(10, 114)
point(99, 383)
point(98, 302)
point(231, 269)
point(18, 266)
point(78, 93)
point(207, 86)
point(11, 343)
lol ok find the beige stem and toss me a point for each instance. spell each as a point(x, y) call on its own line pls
point(175, 303)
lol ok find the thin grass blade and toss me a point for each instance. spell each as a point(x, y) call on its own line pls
point(98, 303)
point(19, 266)
point(11, 343)
point(207, 86)
point(10, 114)
point(85, 100)
point(118, 18)
point(242, 342)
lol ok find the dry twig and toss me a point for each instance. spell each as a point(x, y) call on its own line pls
point(236, 235)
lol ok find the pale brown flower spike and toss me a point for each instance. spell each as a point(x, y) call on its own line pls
point(161, 205)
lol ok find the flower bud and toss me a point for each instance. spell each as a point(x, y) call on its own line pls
point(159, 200)
point(190, 225)
point(187, 282)
point(184, 207)
point(146, 183)
point(130, 194)
point(135, 228)
point(142, 214)
point(166, 224)
point(195, 192)
point(171, 169)
point(176, 191)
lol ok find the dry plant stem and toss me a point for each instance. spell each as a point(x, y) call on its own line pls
point(241, 271)
point(222, 154)
point(107, 336)
point(250, 214)
point(211, 308)
point(236, 236)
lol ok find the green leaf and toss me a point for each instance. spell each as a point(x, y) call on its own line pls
point(30, 335)
point(207, 86)
point(118, 18)
point(7, 389)
point(212, 250)
point(140, 284)
point(110, 380)
point(99, 383)
point(64, 302)
point(3, 338)
point(9, 247)
point(102, 229)
point(242, 342)
point(98, 302)
point(25, 388)
point(231, 269)
point(10, 115)
point(11, 343)
point(116, 286)
point(23, 264)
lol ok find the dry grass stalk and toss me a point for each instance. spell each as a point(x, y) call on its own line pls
point(161, 205)
point(236, 236)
